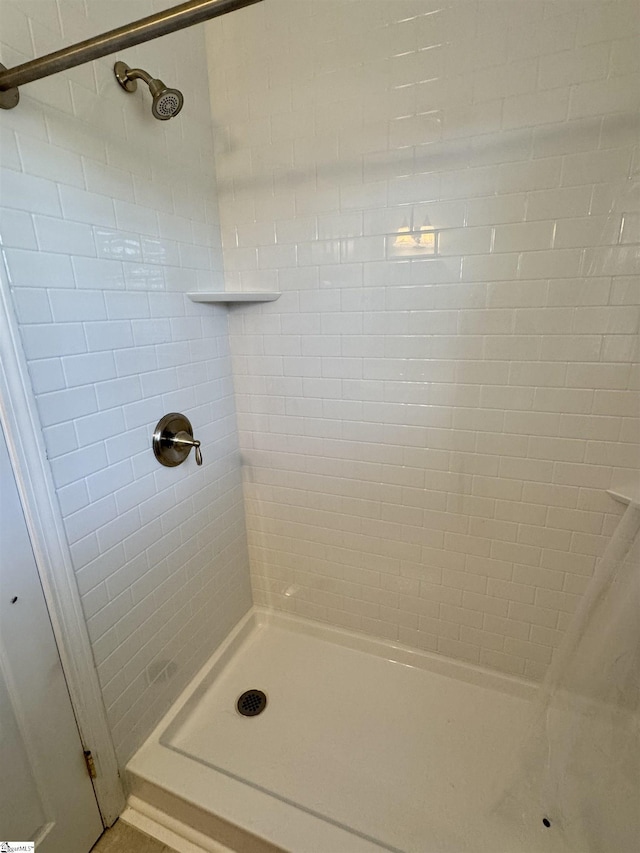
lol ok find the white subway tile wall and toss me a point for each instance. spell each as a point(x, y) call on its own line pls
point(447, 194)
point(108, 216)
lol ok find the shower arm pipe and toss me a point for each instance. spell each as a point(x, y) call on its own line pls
point(146, 29)
point(139, 74)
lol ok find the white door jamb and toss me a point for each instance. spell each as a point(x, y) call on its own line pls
point(20, 420)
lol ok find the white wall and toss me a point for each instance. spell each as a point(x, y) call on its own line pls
point(108, 217)
point(428, 440)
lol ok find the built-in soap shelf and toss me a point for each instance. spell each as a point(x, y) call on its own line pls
point(225, 296)
point(627, 493)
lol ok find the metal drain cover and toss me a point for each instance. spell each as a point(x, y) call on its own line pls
point(251, 703)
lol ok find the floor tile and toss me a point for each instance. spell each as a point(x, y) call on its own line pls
point(122, 838)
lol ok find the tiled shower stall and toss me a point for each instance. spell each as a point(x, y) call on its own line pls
point(420, 432)
point(447, 195)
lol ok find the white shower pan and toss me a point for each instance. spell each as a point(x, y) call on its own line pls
point(363, 746)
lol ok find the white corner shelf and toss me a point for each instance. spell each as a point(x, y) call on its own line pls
point(228, 297)
point(627, 492)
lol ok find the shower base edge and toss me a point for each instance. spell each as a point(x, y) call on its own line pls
point(168, 830)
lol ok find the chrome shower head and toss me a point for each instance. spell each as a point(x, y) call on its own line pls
point(167, 103)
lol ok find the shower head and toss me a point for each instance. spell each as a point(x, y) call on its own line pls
point(167, 103)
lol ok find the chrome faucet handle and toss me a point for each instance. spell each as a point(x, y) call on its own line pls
point(173, 440)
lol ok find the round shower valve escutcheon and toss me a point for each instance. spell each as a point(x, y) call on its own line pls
point(173, 440)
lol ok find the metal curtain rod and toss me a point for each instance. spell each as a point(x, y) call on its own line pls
point(176, 18)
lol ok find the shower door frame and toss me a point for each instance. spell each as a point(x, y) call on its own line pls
point(21, 423)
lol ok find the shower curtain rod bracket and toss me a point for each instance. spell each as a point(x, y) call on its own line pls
point(8, 97)
point(146, 29)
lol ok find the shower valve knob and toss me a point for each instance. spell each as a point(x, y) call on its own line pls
point(173, 440)
point(183, 439)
